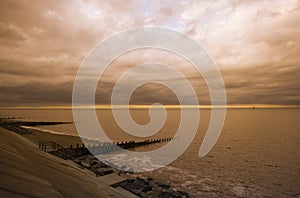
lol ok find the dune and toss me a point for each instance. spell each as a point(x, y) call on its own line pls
point(26, 171)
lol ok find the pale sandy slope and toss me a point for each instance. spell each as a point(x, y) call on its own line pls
point(26, 171)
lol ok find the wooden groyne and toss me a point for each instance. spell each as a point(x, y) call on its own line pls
point(101, 148)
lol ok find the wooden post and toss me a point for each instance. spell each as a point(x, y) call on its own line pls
point(71, 150)
point(76, 150)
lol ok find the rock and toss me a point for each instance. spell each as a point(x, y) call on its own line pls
point(153, 184)
point(77, 161)
point(85, 164)
point(98, 163)
point(147, 188)
point(101, 164)
point(140, 182)
point(121, 172)
point(91, 157)
point(94, 162)
point(103, 171)
point(130, 171)
point(169, 193)
point(130, 180)
point(183, 193)
point(123, 168)
point(134, 185)
point(94, 167)
point(109, 171)
point(163, 185)
point(155, 193)
point(137, 192)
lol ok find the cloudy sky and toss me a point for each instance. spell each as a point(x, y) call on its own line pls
point(255, 44)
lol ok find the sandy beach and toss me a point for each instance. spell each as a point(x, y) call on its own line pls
point(36, 136)
point(29, 171)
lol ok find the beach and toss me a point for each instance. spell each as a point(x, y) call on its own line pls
point(47, 175)
point(27, 171)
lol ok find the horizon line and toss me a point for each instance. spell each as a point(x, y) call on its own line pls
point(231, 106)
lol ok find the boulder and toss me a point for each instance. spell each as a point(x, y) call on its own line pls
point(103, 171)
point(169, 193)
point(85, 164)
point(163, 185)
point(139, 182)
point(94, 167)
point(183, 193)
point(147, 188)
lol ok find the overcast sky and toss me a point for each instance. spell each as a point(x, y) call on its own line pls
point(255, 44)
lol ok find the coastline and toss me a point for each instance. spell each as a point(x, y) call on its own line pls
point(36, 136)
point(28, 171)
point(123, 183)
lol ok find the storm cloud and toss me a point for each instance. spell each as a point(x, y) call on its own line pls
point(255, 44)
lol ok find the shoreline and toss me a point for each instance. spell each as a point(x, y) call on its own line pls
point(141, 186)
point(26, 171)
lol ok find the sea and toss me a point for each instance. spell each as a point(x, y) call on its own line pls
point(256, 155)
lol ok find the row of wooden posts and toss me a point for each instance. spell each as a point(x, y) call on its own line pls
point(101, 148)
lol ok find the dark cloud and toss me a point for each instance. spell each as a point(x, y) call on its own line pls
point(256, 45)
point(37, 93)
point(263, 85)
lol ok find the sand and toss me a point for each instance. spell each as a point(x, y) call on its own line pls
point(27, 171)
point(36, 136)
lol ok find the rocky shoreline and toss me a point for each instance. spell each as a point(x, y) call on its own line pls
point(142, 187)
point(145, 187)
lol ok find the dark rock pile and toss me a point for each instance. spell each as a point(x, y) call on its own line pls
point(92, 163)
point(142, 187)
point(149, 188)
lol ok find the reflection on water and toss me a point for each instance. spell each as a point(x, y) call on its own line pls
point(256, 155)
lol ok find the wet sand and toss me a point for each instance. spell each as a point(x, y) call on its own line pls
point(36, 136)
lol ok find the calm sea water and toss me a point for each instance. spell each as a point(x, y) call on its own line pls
point(256, 155)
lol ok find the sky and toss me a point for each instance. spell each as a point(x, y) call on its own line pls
point(254, 43)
